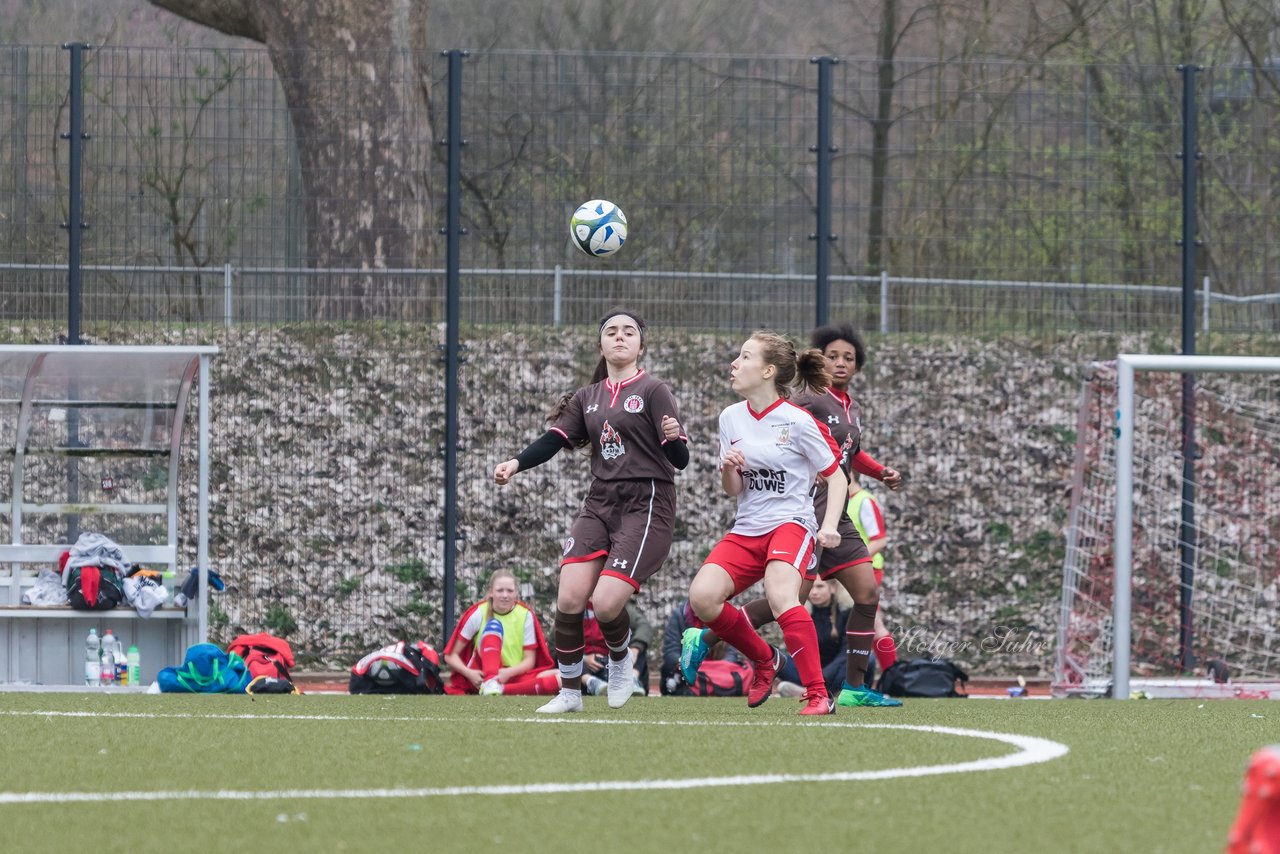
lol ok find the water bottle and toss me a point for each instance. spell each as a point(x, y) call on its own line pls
point(122, 664)
point(92, 667)
point(135, 665)
point(108, 658)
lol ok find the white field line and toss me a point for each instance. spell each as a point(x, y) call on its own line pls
point(1030, 751)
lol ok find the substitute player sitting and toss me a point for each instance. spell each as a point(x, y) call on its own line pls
point(771, 452)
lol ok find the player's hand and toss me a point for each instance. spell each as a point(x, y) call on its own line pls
point(670, 428)
point(475, 677)
point(828, 538)
point(734, 459)
point(505, 471)
point(891, 478)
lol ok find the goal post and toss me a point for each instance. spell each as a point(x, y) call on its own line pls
point(1129, 617)
point(1126, 366)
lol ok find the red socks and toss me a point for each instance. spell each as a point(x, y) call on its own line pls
point(491, 650)
point(735, 629)
point(802, 643)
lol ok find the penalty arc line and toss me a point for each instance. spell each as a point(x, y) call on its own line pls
point(1031, 751)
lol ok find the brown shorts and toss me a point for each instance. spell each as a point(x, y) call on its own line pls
point(628, 523)
point(851, 551)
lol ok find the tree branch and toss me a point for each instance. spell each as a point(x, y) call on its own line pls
point(233, 17)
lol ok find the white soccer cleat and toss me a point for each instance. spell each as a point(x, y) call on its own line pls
point(567, 700)
point(490, 688)
point(621, 681)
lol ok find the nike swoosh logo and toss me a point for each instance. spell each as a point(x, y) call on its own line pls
point(780, 551)
point(734, 441)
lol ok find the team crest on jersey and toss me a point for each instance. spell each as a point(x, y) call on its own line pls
point(633, 404)
point(611, 446)
point(568, 545)
point(784, 434)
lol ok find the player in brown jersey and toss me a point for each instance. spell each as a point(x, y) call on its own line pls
point(849, 563)
point(622, 534)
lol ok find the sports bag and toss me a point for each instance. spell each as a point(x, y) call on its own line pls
point(264, 655)
point(206, 669)
point(398, 668)
point(924, 677)
point(93, 588)
point(721, 678)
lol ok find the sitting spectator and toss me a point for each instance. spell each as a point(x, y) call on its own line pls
point(498, 646)
point(595, 656)
point(681, 618)
point(829, 619)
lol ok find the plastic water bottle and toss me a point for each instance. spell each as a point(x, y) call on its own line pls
point(92, 666)
point(108, 658)
point(122, 664)
point(135, 665)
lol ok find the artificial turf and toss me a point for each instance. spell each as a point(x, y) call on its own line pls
point(338, 773)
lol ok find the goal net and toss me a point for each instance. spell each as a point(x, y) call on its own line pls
point(1122, 621)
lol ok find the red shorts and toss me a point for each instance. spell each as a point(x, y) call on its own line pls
point(745, 557)
point(879, 577)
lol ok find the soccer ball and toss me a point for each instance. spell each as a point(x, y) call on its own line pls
point(384, 672)
point(598, 228)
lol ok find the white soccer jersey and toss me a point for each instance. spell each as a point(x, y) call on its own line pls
point(786, 449)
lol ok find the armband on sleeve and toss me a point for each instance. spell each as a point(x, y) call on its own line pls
point(543, 448)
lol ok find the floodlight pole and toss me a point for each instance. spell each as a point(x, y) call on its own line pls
point(1190, 246)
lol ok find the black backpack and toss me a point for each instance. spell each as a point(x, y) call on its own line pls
point(923, 677)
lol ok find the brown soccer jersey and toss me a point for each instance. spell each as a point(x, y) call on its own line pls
point(623, 423)
point(843, 419)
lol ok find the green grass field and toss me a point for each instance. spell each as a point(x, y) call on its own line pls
point(143, 773)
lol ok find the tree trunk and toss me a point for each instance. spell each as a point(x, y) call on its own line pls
point(357, 85)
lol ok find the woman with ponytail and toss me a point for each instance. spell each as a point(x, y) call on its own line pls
point(771, 452)
point(849, 563)
point(623, 532)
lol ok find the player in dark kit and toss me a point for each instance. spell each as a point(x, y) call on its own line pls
point(849, 563)
point(623, 532)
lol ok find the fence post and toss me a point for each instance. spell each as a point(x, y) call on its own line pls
point(1190, 245)
point(75, 226)
point(1204, 309)
point(884, 302)
point(557, 312)
point(824, 150)
point(226, 295)
point(453, 296)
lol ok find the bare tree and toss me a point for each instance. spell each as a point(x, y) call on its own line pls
point(356, 81)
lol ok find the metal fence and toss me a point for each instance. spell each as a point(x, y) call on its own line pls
point(984, 200)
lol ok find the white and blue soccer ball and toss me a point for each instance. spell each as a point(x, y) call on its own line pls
point(598, 228)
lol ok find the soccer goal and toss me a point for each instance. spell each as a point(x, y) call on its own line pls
point(1157, 601)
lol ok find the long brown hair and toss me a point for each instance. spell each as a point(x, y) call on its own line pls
point(602, 366)
point(804, 370)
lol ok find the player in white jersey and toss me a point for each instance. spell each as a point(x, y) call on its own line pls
point(771, 453)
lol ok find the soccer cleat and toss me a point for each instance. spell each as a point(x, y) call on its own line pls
point(864, 696)
point(638, 689)
point(620, 680)
point(593, 685)
point(818, 704)
point(790, 690)
point(567, 700)
point(490, 688)
point(1257, 826)
point(762, 679)
point(692, 653)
